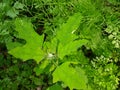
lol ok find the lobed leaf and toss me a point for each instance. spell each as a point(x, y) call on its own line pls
point(70, 47)
point(74, 78)
point(66, 32)
point(32, 48)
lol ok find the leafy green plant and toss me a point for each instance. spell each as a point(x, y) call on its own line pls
point(68, 37)
point(114, 35)
point(15, 74)
point(105, 73)
point(66, 41)
point(8, 12)
point(59, 45)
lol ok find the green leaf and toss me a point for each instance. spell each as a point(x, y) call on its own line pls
point(52, 46)
point(12, 13)
point(18, 5)
point(37, 81)
point(55, 87)
point(75, 78)
point(41, 68)
point(64, 43)
point(70, 47)
point(66, 32)
point(12, 45)
point(32, 48)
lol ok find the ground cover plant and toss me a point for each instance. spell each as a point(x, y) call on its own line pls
point(59, 45)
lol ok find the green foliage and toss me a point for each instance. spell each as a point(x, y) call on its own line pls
point(66, 36)
point(5, 30)
point(73, 77)
point(105, 73)
point(66, 32)
point(16, 75)
point(7, 11)
point(114, 1)
point(42, 68)
point(33, 47)
point(55, 87)
point(66, 41)
point(70, 48)
point(114, 35)
point(59, 45)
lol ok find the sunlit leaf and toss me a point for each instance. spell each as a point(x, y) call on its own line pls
point(70, 47)
point(66, 32)
point(32, 48)
point(74, 78)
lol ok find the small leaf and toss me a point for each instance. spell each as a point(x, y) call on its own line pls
point(12, 13)
point(75, 78)
point(55, 87)
point(18, 5)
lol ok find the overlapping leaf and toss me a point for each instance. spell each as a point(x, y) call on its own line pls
point(70, 47)
point(55, 87)
point(66, 36)
point(64, 41)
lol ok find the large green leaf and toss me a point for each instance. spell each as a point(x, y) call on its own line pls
point(66, 32)
point(75, 78)
point(32, 48)
point(65, 41)
point(70, 47)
